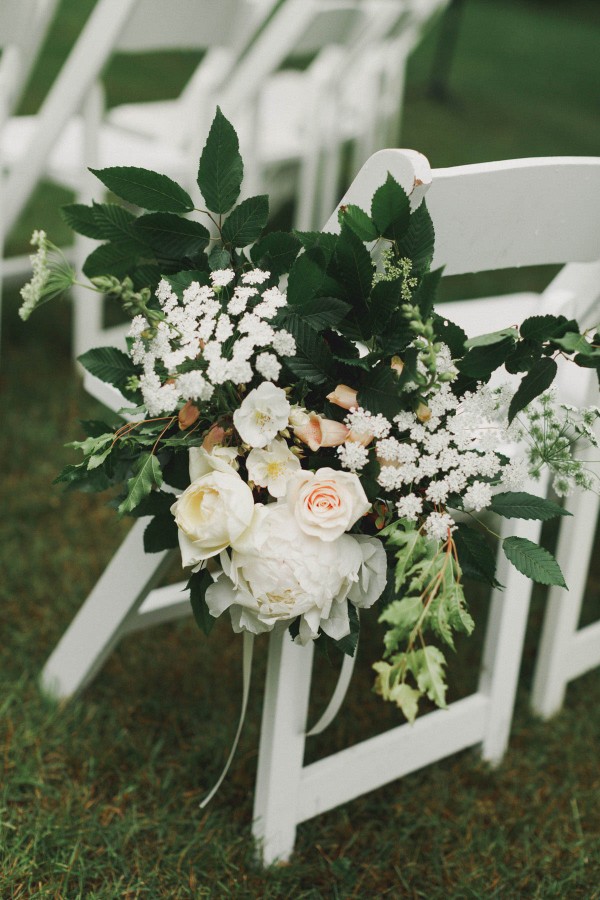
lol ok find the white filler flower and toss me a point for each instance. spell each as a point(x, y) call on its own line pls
point(262, 414)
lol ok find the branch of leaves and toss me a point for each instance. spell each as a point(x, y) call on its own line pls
point(531, 350)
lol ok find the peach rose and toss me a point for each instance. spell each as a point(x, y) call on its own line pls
point(320, 432)
point(326, 503)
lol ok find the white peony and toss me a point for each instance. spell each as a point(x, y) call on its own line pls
point(272, 467)
point(262, 414)
point(372, 575)
point(326, 503)
point(213, 512)
point(277, 572)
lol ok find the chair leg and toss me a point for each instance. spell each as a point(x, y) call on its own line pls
point(575, 546)
point(101, 621)
point(281, 750)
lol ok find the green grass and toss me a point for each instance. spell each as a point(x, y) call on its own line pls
point(99, 799)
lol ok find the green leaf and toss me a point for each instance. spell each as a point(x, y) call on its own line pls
point(425, 294)
point(349, 643)
point(521, 505)
point(276, 252)
point(80, 218)
point(359, 221)
point(379, 393)
point(384, 302)
point(149, 190)
point(182, 280)
point(157, 503)
point(161, 534)
point(306, 277)
point(356, 270)
point(245, 223)
point(523, 356)
point(109, 364)
point(318, 312)
point(475, 556)
point(116, 259)
point(402, 615)
point(494, 337)
point(418, 242)
point(219, 258)
point(115, 222)
point(221, 168)
point(542, 328)
point(538, 379)
point(574, 342)
point(480, 362)
point(533, 561)
point(313, 360)
point(390, 209)
point(197, 586)
point(406, 699)
point(427, 665)
point(172, 236)
point(146, 475)
point(450, 333)
point(319, 240)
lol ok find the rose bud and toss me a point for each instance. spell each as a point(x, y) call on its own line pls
point(214, 436)
point(423, 413)
point(188, 414)
point(321, 432)
point(343, 396)
point(397, 365)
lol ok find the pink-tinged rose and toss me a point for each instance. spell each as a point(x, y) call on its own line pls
point(211, 514)
point(326, 503)
point(320, 432)
point(213, 437)
point(343, 396)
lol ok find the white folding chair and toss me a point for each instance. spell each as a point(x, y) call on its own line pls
point(488, 216)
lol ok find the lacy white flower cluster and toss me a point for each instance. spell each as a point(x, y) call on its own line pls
point(228, 333)
point(292, 558)
point(449, 447)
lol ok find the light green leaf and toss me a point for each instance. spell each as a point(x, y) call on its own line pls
point(427, 665)
point(245, 223)
point(574, 343)
point(147, 474)
point(149, 190)
point(494, 337)
point(221, 168)
point(406, 699)
point(533, 561)
point(521, 505)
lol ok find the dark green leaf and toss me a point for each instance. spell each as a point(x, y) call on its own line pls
point(245, 223)
point(306, 277)
point(450, 333)
point(112, 259)
point(418, 242)
point(379, 393)
point(319, 240)
point(221, 168)
point(219, 258)
point(390, 209)
point(147, 474)
point(480, 362)
point(197, 586)
point(425, 294)
point(157, 503)
point(116, 222)
point(359, 221)
point(81, 219)
point(349, 643)
point(533, 561)
point(542, 328)
point(149, 190)
point(319, 312)
point(522, 357)
point(161, 534)
point(477, 561)
point(521, 505)
point(182, 280)
point(538, 379)
point(313, 360)
point(384, 302)
point(109, 364)
point(276, 252)
point(172, 236)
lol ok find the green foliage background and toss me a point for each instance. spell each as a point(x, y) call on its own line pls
point(100, 799)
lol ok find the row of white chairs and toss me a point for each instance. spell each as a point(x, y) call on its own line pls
point(486, 217)
point(293, 123)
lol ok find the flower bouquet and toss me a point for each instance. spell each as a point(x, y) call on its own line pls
point(304, 425)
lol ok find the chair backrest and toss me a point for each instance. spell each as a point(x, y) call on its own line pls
point(23, 27)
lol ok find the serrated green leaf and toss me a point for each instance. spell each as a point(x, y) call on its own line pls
point(358, 221)
point(379, 393)
point(418, 242)
point(574, 342)
point(80, 218)
point(219, 258)
point(480, 362)
point(523, 356)
point(406, 699)
point(450, 333)
point(425, 294)
point(538, 379)
point(533, 561)
point(313, 360)
point(146, 189)
point(116, 259)
point(161, 534)
point(390, 209)
point(323, 241)
point(276, 251)
point(306, 277)
point(221, 168)
point(115, 222)
point(171, 236)
point(475, 556)
point(521, 505)
point(109, 364)
point(493, 337)
point(542, 328)
point(182, 280)
point(318, 312)
point(427, 665)
point(385, 300)
point(157, 503)
point(147, 474)
point(402, 615)
point(245, 223)
point(197, 586)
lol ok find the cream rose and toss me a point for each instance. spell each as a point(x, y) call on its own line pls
point(211, 514)
point(326, 503)
point(277, 572)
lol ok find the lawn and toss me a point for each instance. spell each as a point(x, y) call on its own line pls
point(99, 798)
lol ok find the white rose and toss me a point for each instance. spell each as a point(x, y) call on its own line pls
point(277, 572)
point(272, 467)
point(211, 514)
point(264, 412)
point(373, 572)
point(326, 503)
point(220, 459)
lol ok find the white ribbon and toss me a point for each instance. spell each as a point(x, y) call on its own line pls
point(338, 696)
point(246, 673)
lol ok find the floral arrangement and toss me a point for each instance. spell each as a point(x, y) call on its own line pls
point(304, 425)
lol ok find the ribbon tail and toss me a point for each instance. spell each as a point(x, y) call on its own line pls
point(338, 696)
point(246, 673)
